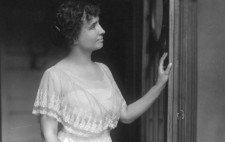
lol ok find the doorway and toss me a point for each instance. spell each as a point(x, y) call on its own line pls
point(130, 53)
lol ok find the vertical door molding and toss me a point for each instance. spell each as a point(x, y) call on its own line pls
point(182, 97)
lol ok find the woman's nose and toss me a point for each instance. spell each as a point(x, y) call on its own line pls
point(101, 30)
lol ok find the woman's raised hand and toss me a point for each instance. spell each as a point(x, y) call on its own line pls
point(163, 75)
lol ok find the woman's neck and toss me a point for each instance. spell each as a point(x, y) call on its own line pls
point(79, 56)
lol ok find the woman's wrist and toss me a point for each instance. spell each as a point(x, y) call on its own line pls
point(160, 84)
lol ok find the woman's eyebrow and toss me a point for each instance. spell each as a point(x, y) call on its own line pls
point(93, 24)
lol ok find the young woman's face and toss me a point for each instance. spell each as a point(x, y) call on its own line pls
point(91, 35)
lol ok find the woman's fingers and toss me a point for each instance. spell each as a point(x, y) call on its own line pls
point(167, 71)
point(168, 68)
point(162, 60)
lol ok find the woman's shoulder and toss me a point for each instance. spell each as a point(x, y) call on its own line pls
point(57, 67)
point(106, 68)
point(103, 65)
point(52, 71)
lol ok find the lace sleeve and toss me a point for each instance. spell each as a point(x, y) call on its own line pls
point(47, 100)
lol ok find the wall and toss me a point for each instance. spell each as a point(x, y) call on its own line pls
point(19, 87)
point(211, 68)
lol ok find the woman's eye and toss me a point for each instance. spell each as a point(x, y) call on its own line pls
point(93, 26)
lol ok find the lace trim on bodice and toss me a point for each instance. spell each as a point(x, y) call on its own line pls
point(75, 122)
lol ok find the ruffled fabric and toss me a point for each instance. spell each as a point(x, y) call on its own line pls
point(82, 108)
point(48, 97)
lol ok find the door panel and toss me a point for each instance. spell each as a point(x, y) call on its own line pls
point(156, 42)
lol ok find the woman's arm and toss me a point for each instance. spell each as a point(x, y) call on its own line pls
point(49, 128)
point(137, 108)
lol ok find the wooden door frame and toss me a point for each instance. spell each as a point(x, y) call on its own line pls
point(182, 91)
point(182, 85)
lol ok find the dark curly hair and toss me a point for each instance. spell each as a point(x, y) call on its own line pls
point(71, 14)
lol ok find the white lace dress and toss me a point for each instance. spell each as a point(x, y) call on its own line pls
point(86, 110)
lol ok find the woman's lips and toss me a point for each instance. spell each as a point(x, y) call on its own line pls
point(101, 39)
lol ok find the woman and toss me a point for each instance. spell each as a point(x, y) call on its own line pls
point(79, 94)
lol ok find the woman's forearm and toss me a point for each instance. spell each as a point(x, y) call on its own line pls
point(138, 107)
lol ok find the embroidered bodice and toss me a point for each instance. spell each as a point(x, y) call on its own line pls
point(84, 108)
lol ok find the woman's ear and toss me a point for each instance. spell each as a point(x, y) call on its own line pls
point(75, 41)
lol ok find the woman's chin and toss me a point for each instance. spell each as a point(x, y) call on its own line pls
point(99, 46)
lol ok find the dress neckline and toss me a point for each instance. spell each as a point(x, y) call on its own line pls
point(104, 78)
